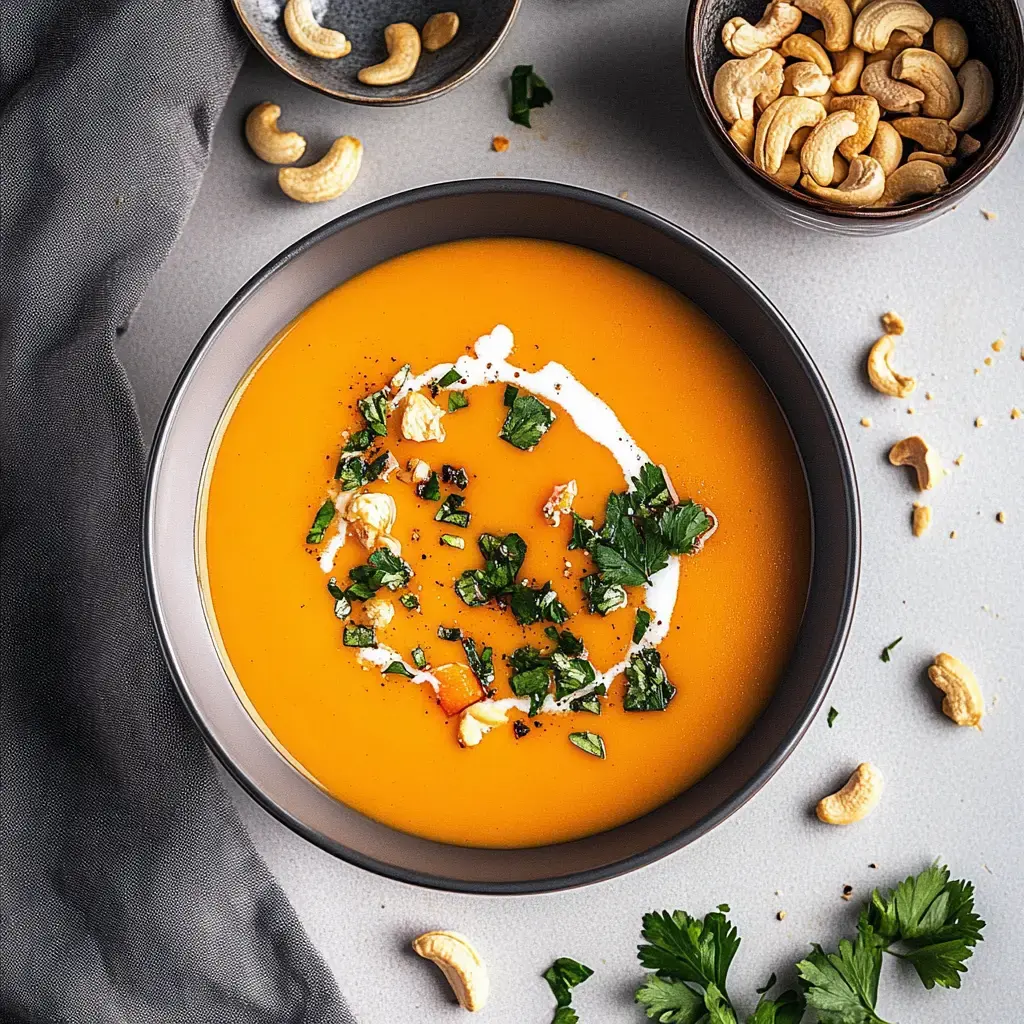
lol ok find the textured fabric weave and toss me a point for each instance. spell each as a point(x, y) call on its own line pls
point(130, 890)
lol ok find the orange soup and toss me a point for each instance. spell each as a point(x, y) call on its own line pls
point(509, 591)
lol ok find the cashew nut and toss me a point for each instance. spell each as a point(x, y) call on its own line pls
point(967, 146)
point(743, 39)
point(840, 169)
point(898, 42)
point(421, 419)
point(920, 519)
point(876, 80)
point(478, 720)
point(439, 30)
point(865, 109)
point(776, 127)
point(799, 138)
point(976, 81)
point(308, 35)
point(328, 178)
point(963, 702)
point(887, 148)
point(856, 800)
point(742, 135)
point(403, 45)
point(914, 451)
point(460, 963)
point(915, 178)
point(949, 40)
point(738, 83)
point(863, 185)
point(877, 22)
point(849, 65)
point(880, 372)
point(267, 141)
point(931, 133)
point(805, 78)
point(788, 173)
point(931, 74)
point(801, 47)
point(816, 156)
point(836, 19)
point(933, 158)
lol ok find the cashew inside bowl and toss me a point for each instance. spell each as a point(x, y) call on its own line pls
point(310, 36)
point(439, 30)
point(403, 45)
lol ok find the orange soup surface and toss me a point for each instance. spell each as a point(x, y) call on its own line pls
point(382, 743)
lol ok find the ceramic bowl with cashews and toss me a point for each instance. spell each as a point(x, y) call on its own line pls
point(858, 116)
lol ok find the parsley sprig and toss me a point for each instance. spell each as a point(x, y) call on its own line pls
point(527, 421)
point(562, 977)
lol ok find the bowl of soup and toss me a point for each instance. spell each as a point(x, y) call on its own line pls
point(501, 537)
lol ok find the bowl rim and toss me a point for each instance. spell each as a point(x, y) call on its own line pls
point(853, 546)
point(377, 101)
point(916, 209)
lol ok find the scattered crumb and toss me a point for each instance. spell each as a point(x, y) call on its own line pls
point(988, 214)
point(500, 143)
point(920, 519)
point(979, 421)
point(624, 194)
point(976, 371)
point(987, 868)
point(952, 534)
point(910, 410)
point(1000, 517)
point(928, 395)
point(959, 460)
point(988, 360)
point(1015, 413)
point(998, 345)
point(892, 323)
point(865, 421)
point(778, 892)
point(781, 915)
point(847, 892)
point(873, 866)
point(1022, 352)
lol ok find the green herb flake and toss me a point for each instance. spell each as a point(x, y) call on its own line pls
point(359, 441)
point(529, 91)
point(482, 663)
point(449, 633)
point(503, 558)
point(410, 601)
point(396, 668)
point(566, 641)
point(451, 377)
point(456, 401)
point(886, 651)
point(452, 541)
point(510, 395)
point(451, 512)
point(571, 674)
point(591, 704)
point(354, 472)
point(531, 605)
point(563, 976)
point(455, 475)
point(419, 659)
point(375, 411)
point(323, 518)
point(589, 743)
point(383, 569)
point(681, 525)
point(832, 716)
point(532, 683)
point(359, 636)
point(527, 421)
point(603, 598)
point(647, 685)
point(430, 490)
point(641, 624)
point(334, 590)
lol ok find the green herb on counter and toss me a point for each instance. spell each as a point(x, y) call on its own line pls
point(323, 518)
point(451, 377)
point(396, 668)
point(647, 686)
point(641, 624)
point(529, 91)
point(832, 716)
point(410, 601)
point(375, 411)
point(527, 421)
point(456, 401)
point(359, 636)
point(886, 651)
point(589, 743)
point(455, 475)
point(562, 977)
point(449, 633)
point(359, 441)
point(419, 659)
point(503, 558)
point(451, 541)
point(430, 490)
point(450, 512)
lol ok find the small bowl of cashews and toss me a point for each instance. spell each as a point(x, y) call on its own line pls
point(383, 54)
point(858, 116)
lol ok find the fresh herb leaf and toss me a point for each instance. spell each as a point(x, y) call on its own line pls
point(583, 533)
point(767, 986)
point(603, 598)
point(641, 624)
point(647, 685)
point(450, 378)
point(359, 636)
point(886, 651)
point(455, 475)
point(375, 411)
point(589, 743)
point(419, 659)
point(571, 674)
point(452, 541)
point(354, 472)
point(449, 633)
point(719, 1010)
point(688, 949)
point(482, 664)
point(636, 554)
point(456, 401)
point(532, 683)
point(670, 1002)
point(563, 976)
point(334, 590)
point(842, 987)
point(567, 642)
point(528, 420)
point(323, 518)
point(565, 1015)
point(450, 513)
point(681, 525)
point(787, 1009)
point(832, 716)
point(530, 605)
point(510, 395)
point(522, 659)
point(590, 703)
point(529, 91)
point(430, 490)
point(650, 488)
point(410, 601)
point(396, 668)
point(359, 441)
point(503, 558)
point(383, 569)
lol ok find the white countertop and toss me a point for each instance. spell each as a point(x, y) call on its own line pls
point(621, 121)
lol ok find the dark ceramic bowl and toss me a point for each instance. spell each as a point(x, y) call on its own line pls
point(996, 36)
point(482, 26)
point(354, 243)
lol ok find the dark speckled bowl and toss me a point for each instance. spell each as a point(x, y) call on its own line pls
point(482, 26)
point(996, 36)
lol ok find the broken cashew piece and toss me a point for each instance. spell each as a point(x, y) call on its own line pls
point(310, 36)
point(805, 78)
point(866, 111)
point(863, 185)
point(267, 141)
point(403, 44)
point(963, 702)
point(931, 133)
point(328, 178)
point(914, 451)
point(978, 91)
point(949, 41)
point(742, 135)
point(856, 800)
point(849, 65)
point(887, 147)
point(742, 39)
point(777, 125)
point(478, 720)
point(738, 83)
point(460, 963)
point(789, 171)
point(801, 47)
point(816, 156)
point(892, 94)
point(913, 179)
point(439, 30)
point(934, 158)
point(967, 146)
point(836, 19)
point(898, 42)
point(877, 22)
point(880, 372)
point(931, 74)
point(920, 519)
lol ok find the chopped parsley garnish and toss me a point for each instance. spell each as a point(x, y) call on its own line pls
point(832, 716)
point(522, 659)
point(375, 411)
point(449, 633)
point(531, 605)
point(410, 601)
point(886, 651)
point(647, 686)
point(562, 977)
point(566, 641)
point(383, 569)
point(510, 395)
point(323, 518)
point(359, 441)
point(503, 558)
point(532, 683)
point(588, 742)
point(419, 659)
point(334, 590)
point(359, 636)
point(354, 472)
point(533, 671)
point(430, 490)
point(396, 668)
point(603, 598)
point(451, 512)
point(527, 421)
point(482, 664)
point(590, 703)
point(456, 401)
point(451, 377)
point(682, 524)
point(641, 624)
point(583, 533)
point(455, 475)
point(571, 674)
point(450, 540)
point(529, 91)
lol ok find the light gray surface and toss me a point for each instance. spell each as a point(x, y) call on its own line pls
point(621, 121)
